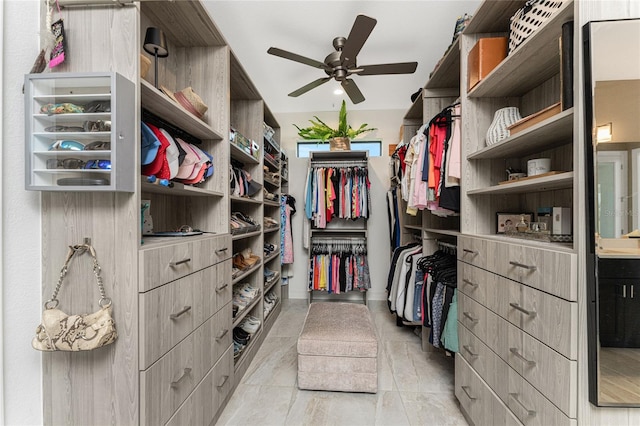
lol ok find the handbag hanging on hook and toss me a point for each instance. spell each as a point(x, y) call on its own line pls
point(58, 50)
point(62, 332)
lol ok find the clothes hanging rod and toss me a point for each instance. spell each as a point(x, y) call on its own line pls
point(338, 163)
point(103, 3)
point(352, 240)
point(447, 245)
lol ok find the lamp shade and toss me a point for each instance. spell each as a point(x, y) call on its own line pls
point(155, 42)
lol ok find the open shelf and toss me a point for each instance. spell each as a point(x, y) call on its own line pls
point(156, 102)
point(535, 61)
point(241, 155)
point(447, 74)
point(236, 237)
point(244, 200)
point(547, 134)
point(179, 189)
point(558, 181)
point(246, 273)
point(237, 320)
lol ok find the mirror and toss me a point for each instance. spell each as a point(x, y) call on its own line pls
point(612, 153)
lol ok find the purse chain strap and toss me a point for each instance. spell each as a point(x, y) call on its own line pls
point(79, 249)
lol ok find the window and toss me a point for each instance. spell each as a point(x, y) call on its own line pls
point(374, 148)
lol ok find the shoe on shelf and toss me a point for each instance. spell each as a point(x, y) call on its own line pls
point(246, 290)
point(249, 258)
point(268, 273)
point(241, 336)
point(239, 262)
point(237, 349)
point(250, 324)
point(270, 222)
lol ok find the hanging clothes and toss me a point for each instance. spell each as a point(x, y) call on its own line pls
point(400, 271)
point(338, 267)
point(440, 270)
point(287, 210)
point(337, 192)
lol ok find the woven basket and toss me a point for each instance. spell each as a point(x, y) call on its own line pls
point(529, 18)
point(502, 119)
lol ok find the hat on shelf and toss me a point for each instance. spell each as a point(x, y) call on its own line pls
point(188, 99)
point(189, 163)
point(159, 167)
point(173, 154)
point(150, 145)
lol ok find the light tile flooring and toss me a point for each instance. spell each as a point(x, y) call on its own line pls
point(414, 387)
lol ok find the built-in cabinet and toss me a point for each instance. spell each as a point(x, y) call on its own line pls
point(517, 298)
point(173, 362)
point(518, 310)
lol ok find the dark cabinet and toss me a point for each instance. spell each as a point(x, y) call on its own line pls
point(619, 302)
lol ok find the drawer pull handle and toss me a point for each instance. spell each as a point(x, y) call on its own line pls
point(469, 251)
point(515, 306)
point(532, 413)
point(464, 388)
point(468, 349)
point(472, 284)
point(522, 358)
point(179, 262)
point(222, 250)
point(180, 313)
point(224, 380)
point(470, 318)
point(522, 265)
point(219, 289)
point(187, 371)
point(224, 333)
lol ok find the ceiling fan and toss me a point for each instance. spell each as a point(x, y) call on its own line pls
point(341, 64)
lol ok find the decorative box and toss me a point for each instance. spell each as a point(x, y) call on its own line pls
point(484, 57)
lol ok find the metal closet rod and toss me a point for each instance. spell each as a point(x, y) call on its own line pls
point(349, 240)
point(447, 245)
point(340, 163)
point(82, 3)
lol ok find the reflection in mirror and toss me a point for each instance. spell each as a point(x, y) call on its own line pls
point(612, 110)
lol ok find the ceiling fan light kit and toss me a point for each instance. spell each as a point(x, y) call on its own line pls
point(342, 64)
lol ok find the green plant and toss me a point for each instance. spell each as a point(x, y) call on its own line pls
point(319, 130)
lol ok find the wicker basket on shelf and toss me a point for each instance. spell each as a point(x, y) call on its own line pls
point(529, 18)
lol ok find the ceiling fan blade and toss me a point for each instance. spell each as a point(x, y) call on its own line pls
point(398, 68)
point(353, 91)
point(297, 58)
point(360, 32)
point(306, 88)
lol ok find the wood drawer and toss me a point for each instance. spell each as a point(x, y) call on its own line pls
point(551, 320)
point(171, 312)
point(481, 405)
point(160, 265)
point(224, 287)
point(168, 382)
point(210, 251)
point(472, 315)
point(530, 406)
point(475, 251)
point(202, 405)
point(551, 271)
point(555, 376)
point(482, 286)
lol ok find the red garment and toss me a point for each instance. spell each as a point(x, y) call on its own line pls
point(438, 133)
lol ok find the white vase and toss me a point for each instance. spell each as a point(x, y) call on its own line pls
point(502, 119)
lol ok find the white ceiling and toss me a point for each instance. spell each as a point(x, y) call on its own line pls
point(406, 31)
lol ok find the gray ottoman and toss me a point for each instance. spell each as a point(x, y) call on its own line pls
point(338, 349)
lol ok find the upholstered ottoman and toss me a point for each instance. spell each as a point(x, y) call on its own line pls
point(338, 349)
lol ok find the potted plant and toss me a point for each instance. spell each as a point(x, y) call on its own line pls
point(340, 138)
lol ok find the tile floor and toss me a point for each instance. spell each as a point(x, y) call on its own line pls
point(414, 387)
